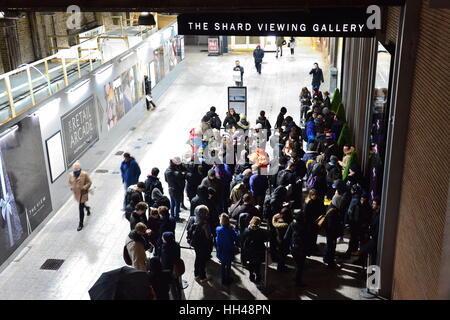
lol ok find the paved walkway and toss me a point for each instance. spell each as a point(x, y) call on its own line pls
point(160, 135)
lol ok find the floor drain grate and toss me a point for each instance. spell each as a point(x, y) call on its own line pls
point(119, 153)
point(101, 171)
point(52, 264)
point(132, 128)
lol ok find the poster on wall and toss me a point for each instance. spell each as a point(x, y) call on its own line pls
point(152, 73)
point(24, 192)
point(159, 64)
point(166, 58)
point(237, 99)
point(80, 130)
point(173, 53)
point(115, 109)
point(139, 77)
point(128, 87)
point(55, 156)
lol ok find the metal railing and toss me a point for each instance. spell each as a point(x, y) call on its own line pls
point(54, 72)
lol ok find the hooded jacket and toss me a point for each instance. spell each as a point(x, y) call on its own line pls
point(130, 172)
point(170, 251)
point(159, 199)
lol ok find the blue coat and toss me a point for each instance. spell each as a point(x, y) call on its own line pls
point(310, 131)
point(258, 185)
point(225, 243)
point(130, 172)
point(258, 54)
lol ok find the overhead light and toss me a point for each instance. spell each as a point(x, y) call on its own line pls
point(146, 19)
point(8, 131)
point(126, 56)
point(78, 86)
point(102, 70)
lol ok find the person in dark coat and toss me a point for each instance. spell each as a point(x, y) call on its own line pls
point(317, 76)
point(151, 183)
point(246, 207)
point(280, 118)
point(280, 223)
point(353, 221)
point(200, 199)
point(168, 224)
point(305, 102)
point(312, 210)
point(231, 119)
point(170, 251)
point(225, 244)
point(333, 229)
point(139, 215)
point(265, 124)
point(130, 171)
point(159, 200)
point(200, 237)
point(336, 127)
point(193, 180)
point(326, 100)
point(334, 172)
point(296, 238)
point(212, 181)
point(148, 92)
point(258, 55)
point(258, 185)
point(132, 197)
point(253, 248)
point(215, 120)
point(159, 279)
point(154, 224)
point(371, 246)
point(175, 179)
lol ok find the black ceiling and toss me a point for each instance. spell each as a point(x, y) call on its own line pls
point(188, 6)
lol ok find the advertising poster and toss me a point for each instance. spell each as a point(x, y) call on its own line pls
point(159, 64)
point(55, 156)
point(166, 58)
point(237, 99)
point(115, 109)
point(213, 46)
point(139, 77)
point(129, 87)
point(173, 53)
point(152, 71)
point(80, 130)
point(24, 192)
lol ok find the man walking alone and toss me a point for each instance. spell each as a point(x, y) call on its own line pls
point(80, 183)
point(258, 55)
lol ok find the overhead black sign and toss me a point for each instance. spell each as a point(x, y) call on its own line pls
point(339, 22)
point(80, 130)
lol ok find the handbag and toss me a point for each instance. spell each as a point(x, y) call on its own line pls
point(321, 219)
point(126, 255)
point(179, 268)
point(149, 98)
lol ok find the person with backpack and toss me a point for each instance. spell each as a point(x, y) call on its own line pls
point(253, 252)
point(139, 215)
point(265, 123)
point(170, 251)
point(240, 189)
point(175, 179)
point(159, 200)
point(151, 183)
point(216, 123)
point(135, 245)
point(199, 236)
point(154, 224)
point(133, 195)
point(297, 240)
point(130, 171)
point(226, 247)
point(280, 222)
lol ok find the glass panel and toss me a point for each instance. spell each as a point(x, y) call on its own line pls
point(379, 109)
point(240, 40)
point(255, 40)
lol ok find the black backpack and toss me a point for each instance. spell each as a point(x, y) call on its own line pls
point(216, 123)
point(128, 195)
point(193, 235)
point(150, 186)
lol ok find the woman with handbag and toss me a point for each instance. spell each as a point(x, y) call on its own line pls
point(312, 210)
point(226, 247)
point(332, 223)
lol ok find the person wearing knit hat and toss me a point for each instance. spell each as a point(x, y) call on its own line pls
point(243, 123)
point(170, 251)
point(333, 229)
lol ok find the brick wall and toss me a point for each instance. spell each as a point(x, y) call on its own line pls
point(423, 202)
point(25, 40)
